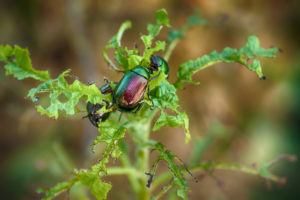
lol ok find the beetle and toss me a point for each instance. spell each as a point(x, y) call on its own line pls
point(129, 92)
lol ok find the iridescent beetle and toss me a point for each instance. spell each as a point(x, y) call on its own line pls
point(129, 92)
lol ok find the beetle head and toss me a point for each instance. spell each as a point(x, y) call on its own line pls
point(157, 62)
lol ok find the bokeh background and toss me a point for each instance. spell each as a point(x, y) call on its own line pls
point(234, 116)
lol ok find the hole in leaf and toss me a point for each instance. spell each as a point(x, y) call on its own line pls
point(63, 98)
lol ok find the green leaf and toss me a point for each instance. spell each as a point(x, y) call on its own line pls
point(147, 40)
point(97, 187)
point(57, 189)
point(115, 41)
point(133, 60)
point(175, 169)
point(111, 134)
point(159, 46)
point(72, 94)
point(162, 17)
point(153, 30)
point(179, 120)
point(163, 94)
point(126, 58)
point(18, 63)
point(247, 56)
point(130, 58)
point(119, 52)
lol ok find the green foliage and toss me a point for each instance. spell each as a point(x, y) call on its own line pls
point(176, 170)
point(121, 53)
point(154, 29)
point(164, 97)
point(180, 119)
point(247, 56)
point(56, 190)
point(18, 63)
point(64, 97)
point(97, 187)
point(112, 133)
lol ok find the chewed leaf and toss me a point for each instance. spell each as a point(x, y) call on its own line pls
point(176, 170)
point(111, 134)
point(121, 53)
point(18, 64)
point(247, 56)
point(97, 187)
point(162, 17)
point(180, 119)
point(159, 46)
point(57, 189)
point(115, 41)
point(73, 93)
point(153, 30)
point(163, 94)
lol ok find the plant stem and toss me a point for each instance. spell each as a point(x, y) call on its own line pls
point(143, 162)
point(132, 174)
point(170, 49)
point(211, 166)
point(163, 191)
point(124, 171)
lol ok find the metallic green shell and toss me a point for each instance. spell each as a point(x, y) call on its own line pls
point(142, 71)
point(131, 88)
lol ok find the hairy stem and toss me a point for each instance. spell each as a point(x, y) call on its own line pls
point(170, 49)
point(130, 171)
point(163, 191)
point(143, 163)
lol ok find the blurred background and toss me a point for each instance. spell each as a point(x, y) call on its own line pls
point(234, 116)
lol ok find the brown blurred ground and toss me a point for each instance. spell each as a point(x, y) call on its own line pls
point(260, 119)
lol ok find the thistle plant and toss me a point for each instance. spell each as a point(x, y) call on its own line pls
point(161, 108)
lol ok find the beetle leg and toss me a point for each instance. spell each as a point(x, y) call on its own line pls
point(138, 108)
point(106, 88)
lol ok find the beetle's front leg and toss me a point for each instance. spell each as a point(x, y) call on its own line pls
point(106, 88)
